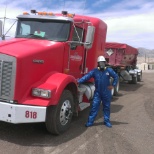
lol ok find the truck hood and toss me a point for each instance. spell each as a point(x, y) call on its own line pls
point(35, 59)
point(25, 47)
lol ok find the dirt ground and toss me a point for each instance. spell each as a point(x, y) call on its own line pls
point(132, 117)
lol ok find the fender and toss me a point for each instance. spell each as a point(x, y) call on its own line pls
point(138, 70)
point(56, 82)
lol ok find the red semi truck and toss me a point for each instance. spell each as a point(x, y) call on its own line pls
point(123, 58)
point(39, 68)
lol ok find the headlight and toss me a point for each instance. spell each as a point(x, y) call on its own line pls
point(41, 93)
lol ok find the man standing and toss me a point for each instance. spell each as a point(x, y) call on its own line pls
point(102, 92)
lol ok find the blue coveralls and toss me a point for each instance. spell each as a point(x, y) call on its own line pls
point(102, 93)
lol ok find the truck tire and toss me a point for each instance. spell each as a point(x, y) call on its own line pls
point(139, 77)
point(112, 90)
point(116, 89)
point(58, 118)
point(134, 80)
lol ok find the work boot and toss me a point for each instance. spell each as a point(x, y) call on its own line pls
point(88, 124)
point(108, 124)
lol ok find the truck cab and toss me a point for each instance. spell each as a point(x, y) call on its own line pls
point(40, 66)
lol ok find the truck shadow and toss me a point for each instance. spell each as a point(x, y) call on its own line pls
point(124, 86)
point(37, 135)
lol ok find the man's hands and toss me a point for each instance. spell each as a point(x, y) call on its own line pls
point(110, 87)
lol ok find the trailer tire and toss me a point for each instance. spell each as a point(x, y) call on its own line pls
point(134, 80)
point(59, 117)
point(139, 77)
point(116, 89)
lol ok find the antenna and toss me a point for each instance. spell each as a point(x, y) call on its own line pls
point(3, 26)
point(4, 18)
point(4, 21)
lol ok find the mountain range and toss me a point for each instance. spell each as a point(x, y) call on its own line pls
point(145, 56)
point(145, 53)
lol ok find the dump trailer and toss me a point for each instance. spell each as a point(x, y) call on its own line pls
point(123, 59)
point(39, 68)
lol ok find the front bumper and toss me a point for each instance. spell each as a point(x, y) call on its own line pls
point(15, 113)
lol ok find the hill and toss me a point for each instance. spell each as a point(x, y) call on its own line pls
point(146, 52)
point(145, 55)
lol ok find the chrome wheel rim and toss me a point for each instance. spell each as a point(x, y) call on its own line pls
point(65, 112)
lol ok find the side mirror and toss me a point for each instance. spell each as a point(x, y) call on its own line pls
point(89, 37)
point(1, 25)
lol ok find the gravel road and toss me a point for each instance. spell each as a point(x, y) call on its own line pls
point(132, 117)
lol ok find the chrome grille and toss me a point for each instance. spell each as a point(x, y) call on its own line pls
point(7, 76)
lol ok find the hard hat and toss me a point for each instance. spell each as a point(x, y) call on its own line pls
point(100, 58)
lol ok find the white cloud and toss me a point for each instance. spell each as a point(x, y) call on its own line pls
point(131, 26)
point(128, 22)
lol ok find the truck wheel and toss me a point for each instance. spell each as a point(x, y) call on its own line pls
point(139, 77)
point(134, 80)
point(116, 89)
point(112, 90)
point(59, 117)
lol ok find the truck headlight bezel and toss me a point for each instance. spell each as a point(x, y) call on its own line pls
point(43, 93)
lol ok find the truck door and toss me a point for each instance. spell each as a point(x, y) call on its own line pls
point(76, 53)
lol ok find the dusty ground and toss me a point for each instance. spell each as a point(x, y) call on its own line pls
point(132, 116)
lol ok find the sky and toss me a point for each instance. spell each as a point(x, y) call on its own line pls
point(130, 22)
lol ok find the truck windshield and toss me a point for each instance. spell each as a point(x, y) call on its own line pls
point(43, 29)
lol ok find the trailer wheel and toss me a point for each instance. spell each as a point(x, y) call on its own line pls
point(116, 89)
point(58, 118)
point(134, 80)
point(139, 77)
